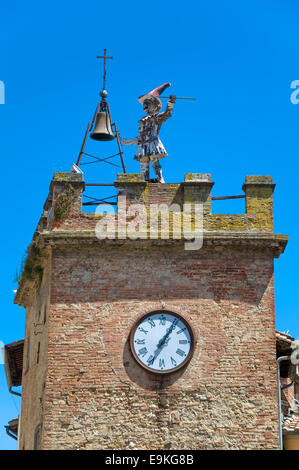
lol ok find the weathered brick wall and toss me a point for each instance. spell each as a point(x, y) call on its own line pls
point(97, 397)
point(163, 194)
point(35, 366)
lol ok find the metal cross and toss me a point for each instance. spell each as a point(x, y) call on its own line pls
point(104, 57)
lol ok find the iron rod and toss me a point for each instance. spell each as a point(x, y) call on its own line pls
point(120, 151)
point(99, 160)
point(99, 184)
point(89, 127)
point(98, 203)
point(97, 199)
point(117, 138)
point(227, 197)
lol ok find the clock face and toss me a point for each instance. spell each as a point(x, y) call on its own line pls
point(162, 342)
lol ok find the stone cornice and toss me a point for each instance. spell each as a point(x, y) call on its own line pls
point(276, 242)
point(72, 239)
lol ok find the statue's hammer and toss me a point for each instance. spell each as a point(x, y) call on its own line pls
point(177, 97)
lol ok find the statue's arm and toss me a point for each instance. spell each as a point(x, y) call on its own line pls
point(169, 108)
point(129, 141)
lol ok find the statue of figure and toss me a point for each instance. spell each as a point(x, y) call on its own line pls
point(150, 147)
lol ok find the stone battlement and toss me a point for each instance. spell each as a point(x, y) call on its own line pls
point(67, 188)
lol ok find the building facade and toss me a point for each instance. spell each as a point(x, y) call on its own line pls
point(83, 387)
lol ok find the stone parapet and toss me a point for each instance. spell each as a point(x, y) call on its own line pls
point(259, 200)
point(66, 189)
point(196, 189)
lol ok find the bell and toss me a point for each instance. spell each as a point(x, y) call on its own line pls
point(102, 129)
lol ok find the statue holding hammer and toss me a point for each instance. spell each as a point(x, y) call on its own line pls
point(150, 147)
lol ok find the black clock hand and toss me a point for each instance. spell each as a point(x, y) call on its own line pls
point(168, 331)
point(159, 349)
point(162, 341)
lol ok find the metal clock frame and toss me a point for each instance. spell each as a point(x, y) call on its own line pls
point(183, 320)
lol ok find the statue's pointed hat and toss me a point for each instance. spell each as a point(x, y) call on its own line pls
point(154, 95)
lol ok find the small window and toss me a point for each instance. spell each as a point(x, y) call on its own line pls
point(38, 350)
point(28, 355)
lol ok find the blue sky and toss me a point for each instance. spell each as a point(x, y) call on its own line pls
point(238, 58)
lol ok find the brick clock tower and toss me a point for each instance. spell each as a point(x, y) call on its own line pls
point(140, 343)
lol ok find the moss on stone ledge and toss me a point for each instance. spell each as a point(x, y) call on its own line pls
point(63, 205)
point(32, 267)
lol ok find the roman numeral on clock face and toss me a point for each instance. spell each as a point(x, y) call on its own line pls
point(151, 322)
point(143, 330)
point(180, 352)
point(161, 363)
point(142, 352)
point(181, 331)
point(150, 360)
point(173, 361)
